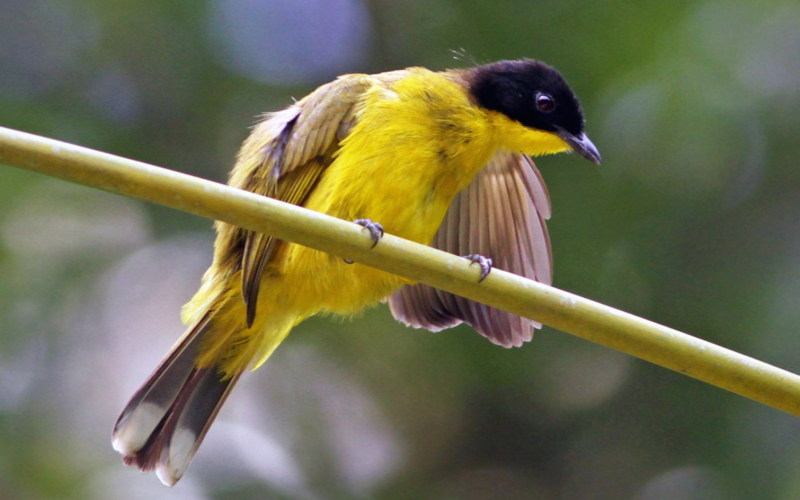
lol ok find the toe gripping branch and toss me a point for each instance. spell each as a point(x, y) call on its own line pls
point(484, 262)
point(375, 230)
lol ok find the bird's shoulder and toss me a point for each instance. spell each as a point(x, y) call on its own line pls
point(284, 157)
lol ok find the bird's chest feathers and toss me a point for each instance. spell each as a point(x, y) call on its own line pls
point(411, 152)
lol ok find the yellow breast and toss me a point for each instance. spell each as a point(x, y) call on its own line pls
point(414, 147)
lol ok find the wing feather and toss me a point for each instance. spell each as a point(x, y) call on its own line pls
point(500, 215)
point(284, 158)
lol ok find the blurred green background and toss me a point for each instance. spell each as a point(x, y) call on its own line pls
point(692, 221)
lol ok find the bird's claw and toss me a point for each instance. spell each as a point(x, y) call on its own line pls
point(375, 229)
point(484, 262)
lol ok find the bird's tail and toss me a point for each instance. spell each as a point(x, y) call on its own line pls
point(164, 423)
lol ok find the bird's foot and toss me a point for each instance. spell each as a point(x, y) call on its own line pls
point(375, 229)
point(484, 262)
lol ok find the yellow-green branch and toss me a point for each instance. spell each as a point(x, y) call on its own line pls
point(571, 313)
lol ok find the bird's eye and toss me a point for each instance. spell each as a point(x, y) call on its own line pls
point(545, 102)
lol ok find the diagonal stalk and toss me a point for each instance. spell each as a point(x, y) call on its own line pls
point(562, 310)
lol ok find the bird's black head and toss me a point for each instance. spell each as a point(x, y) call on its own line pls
point(535, 95)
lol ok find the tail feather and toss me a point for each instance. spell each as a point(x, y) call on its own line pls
point(166, 420)
point(148, 406)
point(173, 446)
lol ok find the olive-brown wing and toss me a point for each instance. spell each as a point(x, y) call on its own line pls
point(284, 158)
point(500, 215)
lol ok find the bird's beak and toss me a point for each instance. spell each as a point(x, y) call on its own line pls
point(581, 144)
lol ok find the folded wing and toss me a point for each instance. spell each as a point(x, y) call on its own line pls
point(284, 158)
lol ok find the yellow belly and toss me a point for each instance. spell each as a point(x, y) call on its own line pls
point(401, 166)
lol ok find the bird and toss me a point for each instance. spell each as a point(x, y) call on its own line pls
point(439, 158)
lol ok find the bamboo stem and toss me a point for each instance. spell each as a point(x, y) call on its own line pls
point(568, 312)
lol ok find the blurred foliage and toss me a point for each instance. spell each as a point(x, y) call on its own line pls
point(692, 221)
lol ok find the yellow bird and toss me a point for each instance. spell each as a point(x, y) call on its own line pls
point(440, 158)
